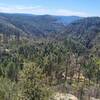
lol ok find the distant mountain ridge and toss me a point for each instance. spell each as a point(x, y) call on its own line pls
point(68, 19)
point(34, 25)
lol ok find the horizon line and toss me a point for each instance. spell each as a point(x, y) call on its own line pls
point(45, 14)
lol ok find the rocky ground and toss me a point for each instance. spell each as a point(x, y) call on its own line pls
point(63, 96)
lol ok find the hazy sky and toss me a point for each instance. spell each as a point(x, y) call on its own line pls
point(53, 7)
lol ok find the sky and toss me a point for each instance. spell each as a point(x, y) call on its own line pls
point(52, 7)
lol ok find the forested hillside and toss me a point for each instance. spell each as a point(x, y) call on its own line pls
point(85, 30)
point(67, 62)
